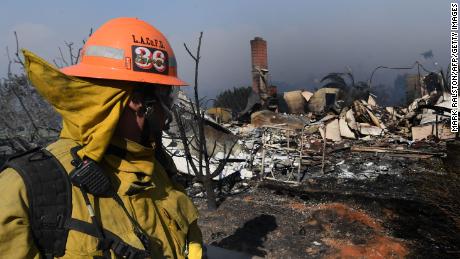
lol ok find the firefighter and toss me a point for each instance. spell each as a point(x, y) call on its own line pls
point(114, 105)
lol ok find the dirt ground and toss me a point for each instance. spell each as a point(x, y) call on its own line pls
point(381, 207)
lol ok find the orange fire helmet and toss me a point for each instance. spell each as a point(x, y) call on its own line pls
point(127, 49)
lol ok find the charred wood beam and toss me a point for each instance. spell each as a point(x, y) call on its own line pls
point(396, 152)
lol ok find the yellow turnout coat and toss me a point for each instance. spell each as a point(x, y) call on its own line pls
point(90, 113)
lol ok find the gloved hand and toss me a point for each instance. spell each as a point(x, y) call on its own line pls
point(195, 242)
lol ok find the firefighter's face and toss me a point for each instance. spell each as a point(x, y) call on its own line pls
point(151, 106)
point(147, 113)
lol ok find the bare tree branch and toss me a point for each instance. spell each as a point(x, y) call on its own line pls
point(190, 53)
point(18, 58)
point(213, 148)
point(180, 125)
point(69, 46)
point(7, 124)
point(223, 162)
point(55, 63)
point(77, 58)
point(9, 62)
point(62, 57)
point(27, 113)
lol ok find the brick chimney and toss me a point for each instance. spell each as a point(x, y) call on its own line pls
point(259, 62)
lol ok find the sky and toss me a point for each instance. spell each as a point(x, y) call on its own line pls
point(306, 39)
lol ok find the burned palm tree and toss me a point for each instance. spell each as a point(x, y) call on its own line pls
point(351, 90)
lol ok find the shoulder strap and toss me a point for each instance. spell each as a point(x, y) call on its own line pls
point(50, 198)
point(50, 206)
point(112, 241)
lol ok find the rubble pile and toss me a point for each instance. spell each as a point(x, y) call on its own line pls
point(293, 145)
point(425, 117)
point(361, 181)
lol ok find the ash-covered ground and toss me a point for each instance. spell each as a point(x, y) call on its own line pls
point(364, 205)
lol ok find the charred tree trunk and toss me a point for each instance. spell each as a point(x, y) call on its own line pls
point(210, 194)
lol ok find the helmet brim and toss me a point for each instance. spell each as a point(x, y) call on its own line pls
point(99, 72)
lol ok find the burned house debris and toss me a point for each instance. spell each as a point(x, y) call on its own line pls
point(323, 99)
point(338, 175)
point(360, 181)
